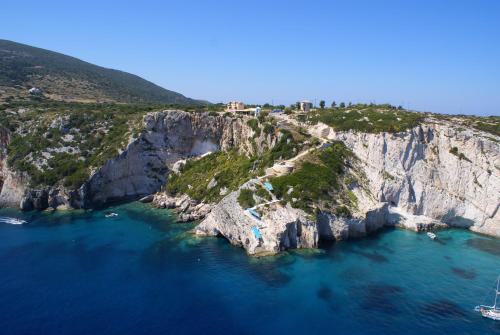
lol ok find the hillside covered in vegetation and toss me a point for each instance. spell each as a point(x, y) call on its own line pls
point(59, 142)
point(62, 77)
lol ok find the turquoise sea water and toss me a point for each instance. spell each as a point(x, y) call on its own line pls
point(140, 273)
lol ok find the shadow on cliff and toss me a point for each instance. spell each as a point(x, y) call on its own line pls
point(454, 220)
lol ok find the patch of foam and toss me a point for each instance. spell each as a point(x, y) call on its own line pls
point(10, 220)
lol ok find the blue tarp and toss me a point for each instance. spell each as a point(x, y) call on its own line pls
point(268, 186)
point(253, 212)
point(256, 232)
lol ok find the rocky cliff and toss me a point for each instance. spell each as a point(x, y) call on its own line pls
point(12, 184)
point(168, 137)
point(430, 177)
point(143, 166)
point(435, 171)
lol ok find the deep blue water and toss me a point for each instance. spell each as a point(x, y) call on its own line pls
point(140, 273)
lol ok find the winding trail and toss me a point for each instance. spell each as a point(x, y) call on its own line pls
point(259, 179)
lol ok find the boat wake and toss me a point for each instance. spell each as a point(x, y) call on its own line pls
point(10, 220)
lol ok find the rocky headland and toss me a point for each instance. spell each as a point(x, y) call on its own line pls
point(241, 178)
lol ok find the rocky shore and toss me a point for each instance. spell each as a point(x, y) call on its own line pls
point(430, 177)
point(186, 209)
point(280, 227)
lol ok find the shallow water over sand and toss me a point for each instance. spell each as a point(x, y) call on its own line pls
point(79, 272)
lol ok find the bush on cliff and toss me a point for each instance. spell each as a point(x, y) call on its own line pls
point(245, 199)
point(228, 169)
point(60, 143)
point(316, 181)
point(368, 118)
point(254, 124)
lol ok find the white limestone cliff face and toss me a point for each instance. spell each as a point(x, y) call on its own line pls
point(417, 172)
point(168, 136)
point(141, 168)
point(333, 227)
point(12, 184)
point(414, 179)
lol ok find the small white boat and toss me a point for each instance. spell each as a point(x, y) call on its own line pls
point(431, 235)
point(111, 215)
point(491, 312)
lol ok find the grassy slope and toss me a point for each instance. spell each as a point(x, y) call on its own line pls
point(23, 66)
point(228, 169)
point(367, 118)
point(318, 181)
point(387, 118)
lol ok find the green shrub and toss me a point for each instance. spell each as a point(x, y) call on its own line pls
point(263, 116)
point(492, 127)
point(245, 199)
point(370, 119)
point(229, 169)
point(268, 128)
point(460, 155)
point(263, 193)
point(342, 211)
point(254, 124)
point(315, 180)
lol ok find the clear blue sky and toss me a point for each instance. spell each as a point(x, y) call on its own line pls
point(440, 56)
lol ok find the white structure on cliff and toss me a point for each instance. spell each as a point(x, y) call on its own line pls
point(35, 91)
point(234, 106)
point(305, 105)
point(257, 111)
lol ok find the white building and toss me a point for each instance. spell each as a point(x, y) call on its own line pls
point(234, 106)
point(305, 105)
point(257, 111)
point(35, 91)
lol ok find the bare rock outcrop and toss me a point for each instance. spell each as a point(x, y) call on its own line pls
point(187, 209)
point(279, 227)
point(12, 184)
point(434, 171)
